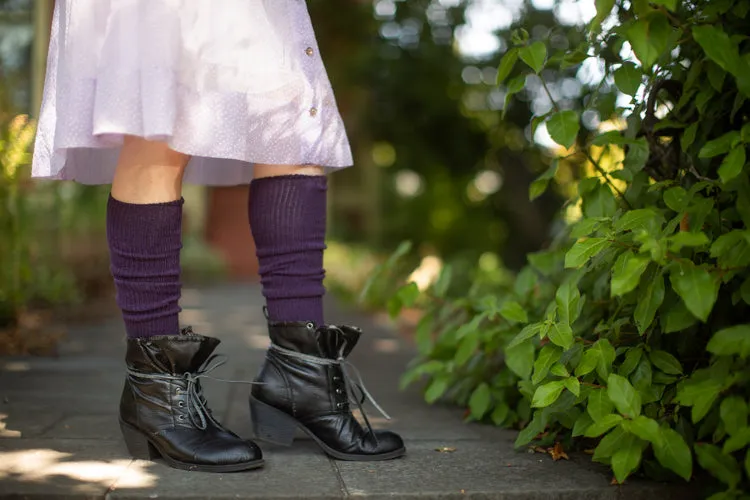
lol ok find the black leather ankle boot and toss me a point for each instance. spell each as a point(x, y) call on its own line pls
point(304, 383)
point(163, 412)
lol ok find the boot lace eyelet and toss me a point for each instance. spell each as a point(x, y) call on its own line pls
point(181, 418)
point(339, 391)
point(181, 404)
point(310, 326)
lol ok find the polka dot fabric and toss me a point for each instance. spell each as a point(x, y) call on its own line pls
point(230, 82)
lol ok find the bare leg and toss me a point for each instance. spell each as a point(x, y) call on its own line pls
point(261, 170)
point(148, 172)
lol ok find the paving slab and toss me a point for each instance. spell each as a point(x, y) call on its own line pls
point(61, 468)
point(289, 473)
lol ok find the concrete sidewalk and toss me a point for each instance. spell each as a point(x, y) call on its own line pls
point(59, 437)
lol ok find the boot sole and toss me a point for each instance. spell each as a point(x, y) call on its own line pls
point(276, 427)
point(142, 448)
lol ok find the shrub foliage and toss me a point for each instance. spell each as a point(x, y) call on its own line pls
point(630, 334)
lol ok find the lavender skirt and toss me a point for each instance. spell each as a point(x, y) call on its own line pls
point(230, 82)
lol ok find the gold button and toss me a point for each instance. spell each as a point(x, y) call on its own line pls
point(309, 51)
point(313, 111)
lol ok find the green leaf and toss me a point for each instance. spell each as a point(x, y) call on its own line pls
point(534, 55)
point(506, 65)
point(645, 428)
point(649, 37)
point(697, 288)
point(559, 370)
point(733, 411)
point(520, 359)
point(423, 335)
point(677, 318)
point(627, 271)
point(648, 303)
point(626, 460)
point(688, 137)
point(673, 453)
point(599, 405)
point(561, 334)
point(732, 340)
point(408, 294)
point(436, 389)
point(528, 332)
point(700, 394)
point(720, 145)
point(642, 376)
point(602, 425)
point(646, 219)
point(548, 356)
point(716, 76)
point(568, 299)
point(466, 348)
point(747, 463)
point(443, 282)
point(512, 311)
point(540, 184)
point(588, 362)
point(739, 440)
point(584, 250)
point(599, 202)
point(628, 78)
point(686, 239)
point(514, 86)
point(582, 423)
point(547, 394)
point(636, 155)
point(606, 357)
point(500, 413)
point(479, 402)
point(722, 466)
point(718, 47)
point(573, 385)
point(670, 4)
point(732, 164)
point(632, 358)
point(603, 9)
point(563, 127)
point(745, 291)
point(623, 395)
point(665, 362)
point(676, 198)
point(612, 442)
point(536, 426)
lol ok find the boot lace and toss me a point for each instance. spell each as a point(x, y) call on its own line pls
point(199, 413)
point(351, 376)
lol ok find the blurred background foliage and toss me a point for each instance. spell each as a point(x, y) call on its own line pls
point(442, 159)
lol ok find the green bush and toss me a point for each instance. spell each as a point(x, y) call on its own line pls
point(630, 333)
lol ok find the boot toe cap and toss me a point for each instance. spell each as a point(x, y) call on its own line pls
point(229, 452)
point(388, 442)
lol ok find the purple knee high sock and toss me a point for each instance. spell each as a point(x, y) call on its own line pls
point(144, 245)
point(288, 222)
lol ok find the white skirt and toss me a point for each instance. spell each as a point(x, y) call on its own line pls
point(229, 82)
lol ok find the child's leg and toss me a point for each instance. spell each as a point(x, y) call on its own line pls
point(287, 210)
point(144, 231)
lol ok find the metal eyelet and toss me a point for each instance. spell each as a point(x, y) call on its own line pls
point(178, 391)
point(310, 326)
point(181, 404)
point(339, 405)
point(339, 391)
point(181, 418)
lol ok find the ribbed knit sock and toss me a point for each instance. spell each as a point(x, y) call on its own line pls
point(144, 245)
point(288, 222)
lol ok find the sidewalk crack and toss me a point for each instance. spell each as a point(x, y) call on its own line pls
point(340, 478)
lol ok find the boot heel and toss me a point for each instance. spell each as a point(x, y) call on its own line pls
point(137, 445)
point(272, 425)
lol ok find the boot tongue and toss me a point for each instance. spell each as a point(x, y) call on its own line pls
point(179, 353)
point(337, 341)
